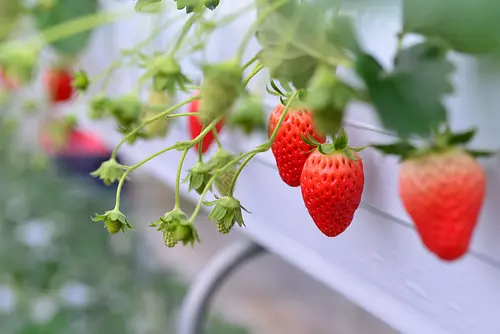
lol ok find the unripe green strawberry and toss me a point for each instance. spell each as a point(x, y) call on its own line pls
point(223, 181)
point(157, 102)
point(222, 84)
point(168, 238)
point(113, 226)
point(224, 228)
point(443, 193)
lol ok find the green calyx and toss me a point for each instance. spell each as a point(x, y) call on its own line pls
point(443, 141)
point(226, 213)
point(249, 115)
point(99, 107)
point(114, 221)
point(196, 5)
point(339, 145)
point(222, 84)
point(176, 228)
point(198, 177)
point(167, 74)
point(285, 93)
point(109, 172)
point(81, 81)
point(126, 109)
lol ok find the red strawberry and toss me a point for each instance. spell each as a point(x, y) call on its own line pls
point(59, 84)
point(196, 127)
point(288, 148)
point(443, 194)
point(331, 186)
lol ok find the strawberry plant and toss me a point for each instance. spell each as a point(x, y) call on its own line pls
point(305, 46)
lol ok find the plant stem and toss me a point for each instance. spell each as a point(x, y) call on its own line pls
point(250, 62)
point(216, 136)
point(246, 38)
point(185, 114)
point(178, 179)
point(81, 24)
point(257, 68)
point(134, 167)
point(148, 121)
point(185, 29)
point(280, 121)
point(238, 172)
point(200, 151)
point(139, 164)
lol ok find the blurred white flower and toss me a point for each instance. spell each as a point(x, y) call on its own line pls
point(8, 299)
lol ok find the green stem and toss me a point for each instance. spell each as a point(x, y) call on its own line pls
point(185, 29)
point(81, 24)
point(280, 121)
point(139, 164)
point(184, 114)
point(134, 167)
point(238, 172)
point(200, 151)
point(250, 62)
point(257, 68)
point(148, 121)
point(178, 179)
point(216, 136)
point(248, 35)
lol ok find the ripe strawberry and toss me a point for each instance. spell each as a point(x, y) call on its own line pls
point(288, 148)
point(58, 82)
point(443, 194)
point(196, 127)
point(331, 186)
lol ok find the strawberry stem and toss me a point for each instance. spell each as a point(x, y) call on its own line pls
point(216, 136)
point(267, 145)
point(257, 68)
point(185, 29)
point(238, 172)
point(148, 121)
point(178, 179)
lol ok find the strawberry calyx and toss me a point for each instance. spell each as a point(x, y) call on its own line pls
point(114, 221)
point(443, 141)
point(109, 172)
point(226, 213)
point(285, 93)
point(339, 145)
point(176, 228)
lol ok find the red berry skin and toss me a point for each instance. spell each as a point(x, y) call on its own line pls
point(443, 193)
point(58, 83)
point(289, 150)
point(196, 127)
point(331, 187)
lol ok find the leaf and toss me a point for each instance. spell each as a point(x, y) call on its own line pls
point(400, 148)
point(480, 154)
point(409, 100)
point(469, 26)
point(341, 140)
point(461, 137)
point(141, 5)
point(295, 37)
point(63, 11)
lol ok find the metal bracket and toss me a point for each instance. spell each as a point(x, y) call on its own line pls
point(197, 301)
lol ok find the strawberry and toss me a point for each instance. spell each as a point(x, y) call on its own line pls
point(196, 127)
point(443, 193)
point(332, 185)
point(223, 181)
point(59, 84)
point(288, 148)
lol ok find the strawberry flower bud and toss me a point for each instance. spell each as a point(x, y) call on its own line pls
point(198, 177)
point(109, 172)
point(114, 221)
point(221, 86)
point(81, 81)
point(226, 213)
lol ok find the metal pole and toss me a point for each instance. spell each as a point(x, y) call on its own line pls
point(197, 301)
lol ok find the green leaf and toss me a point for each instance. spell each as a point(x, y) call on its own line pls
point(400, 148)
point(461, 137)
point(295, 37)
point(409, 100)
point(142, 5)
point(469, 26)
point(63, 11)
point(480, 154)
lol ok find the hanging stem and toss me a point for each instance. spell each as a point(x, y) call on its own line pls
point(250, 62)
point(257, 68)
point(178, 179)
point(148, 121)
point(216, 136)
point(185, 29)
